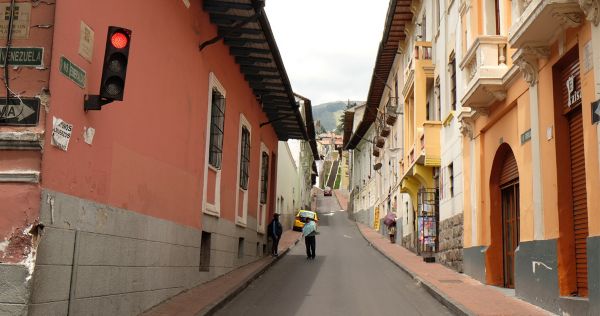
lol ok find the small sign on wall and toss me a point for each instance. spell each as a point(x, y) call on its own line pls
point(86, 42)
point(20, 22)
point(72, 71)
point(526, 136)
point(23, 56)
point(61, 133)
point(596, 111)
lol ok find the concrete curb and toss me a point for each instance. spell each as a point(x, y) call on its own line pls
point(214, 307)
point(454, 306)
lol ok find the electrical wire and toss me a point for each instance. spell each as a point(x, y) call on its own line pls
point(7, 49)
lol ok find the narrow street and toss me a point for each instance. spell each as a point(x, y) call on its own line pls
point(348, 277)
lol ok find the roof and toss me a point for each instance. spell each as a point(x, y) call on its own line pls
point(348, 124)
point(244, 27)
point(310, 126)
point(398, 16)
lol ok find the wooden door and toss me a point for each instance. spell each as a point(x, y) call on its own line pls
point(510, 230)
point(579, 193)
point(509, 190)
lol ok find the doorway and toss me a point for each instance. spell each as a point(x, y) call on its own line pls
point(504, 219)
point(510, 230)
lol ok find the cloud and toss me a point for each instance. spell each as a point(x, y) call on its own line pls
point(328, 46)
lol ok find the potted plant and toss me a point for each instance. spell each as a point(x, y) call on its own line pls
point(375, 151)
point(379, 141)
point(391, 119)
point(385, 131)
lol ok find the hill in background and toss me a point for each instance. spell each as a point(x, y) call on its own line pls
point(329, 113)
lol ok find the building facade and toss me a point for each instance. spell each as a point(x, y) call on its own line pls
point(531, 149)
point(114, 211)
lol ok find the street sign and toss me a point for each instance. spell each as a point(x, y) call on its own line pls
point(19, 112)
point(72, 71)
point(23, 56)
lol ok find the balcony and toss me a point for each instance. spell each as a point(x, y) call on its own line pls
point(419, 61)
point(541, 20)
point(431, 148)
point(483, 67)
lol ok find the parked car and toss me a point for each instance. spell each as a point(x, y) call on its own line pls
point(301, 219)
point(327, 191)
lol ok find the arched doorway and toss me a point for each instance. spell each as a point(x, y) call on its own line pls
point(504, 218)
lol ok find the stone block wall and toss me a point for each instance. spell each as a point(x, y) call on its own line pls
point(95, 259)
point(451, 242)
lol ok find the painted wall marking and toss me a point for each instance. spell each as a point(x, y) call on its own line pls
point(534, 264)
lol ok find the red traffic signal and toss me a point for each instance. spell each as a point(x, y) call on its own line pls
point(114, 69)
point(119, 40)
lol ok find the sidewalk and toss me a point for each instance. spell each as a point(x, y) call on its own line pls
point(208, 297)
point(342, 197)
point(460, 293)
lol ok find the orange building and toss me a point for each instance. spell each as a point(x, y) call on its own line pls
point(531, 216)
point(113, 211)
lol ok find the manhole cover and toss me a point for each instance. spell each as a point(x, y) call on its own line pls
point(451, 281)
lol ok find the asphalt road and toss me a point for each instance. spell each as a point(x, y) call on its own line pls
point(348, 277)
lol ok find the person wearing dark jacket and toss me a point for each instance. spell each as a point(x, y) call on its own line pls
point(274, 230)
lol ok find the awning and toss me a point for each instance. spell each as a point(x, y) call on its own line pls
point(244, 27)
point(398, 16)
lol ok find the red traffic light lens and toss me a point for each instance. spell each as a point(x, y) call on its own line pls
point(119, 40)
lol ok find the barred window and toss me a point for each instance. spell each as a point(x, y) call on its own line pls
point(264, 178)
point(452, 66)
point(244, 158)
point(217, 124)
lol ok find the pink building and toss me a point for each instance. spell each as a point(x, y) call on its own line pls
point(111, 212)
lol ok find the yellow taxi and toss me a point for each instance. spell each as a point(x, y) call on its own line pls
point(301, 219)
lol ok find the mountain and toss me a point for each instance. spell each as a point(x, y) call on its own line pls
point(329, 113)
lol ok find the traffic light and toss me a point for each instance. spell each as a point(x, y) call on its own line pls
point(114, 69)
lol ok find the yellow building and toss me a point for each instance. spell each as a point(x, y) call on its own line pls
point(531, 215)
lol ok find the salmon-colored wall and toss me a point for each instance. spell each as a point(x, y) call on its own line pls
point(20, 202)
point(148, 151)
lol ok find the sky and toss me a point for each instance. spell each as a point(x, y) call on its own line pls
point(328, 47)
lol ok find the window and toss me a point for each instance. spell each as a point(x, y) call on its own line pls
point(424, 27)
point(244, 158)
point(451, 178)
point(452, 69)
point(240, 253)
point(264, 177)
point(438, 99)
point(217, 124)
point(205, 251)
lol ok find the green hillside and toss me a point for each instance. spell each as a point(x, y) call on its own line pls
point(329, 113)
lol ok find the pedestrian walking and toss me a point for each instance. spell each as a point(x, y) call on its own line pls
point(309, 231)
point(274, 230)
point(392, 232)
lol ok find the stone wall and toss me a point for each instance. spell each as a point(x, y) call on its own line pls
point(451, 242)
point(95, 259)
point(408, 242)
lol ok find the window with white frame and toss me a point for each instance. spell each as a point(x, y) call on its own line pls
point(264, 177)
point(244, 158)
point(217, 128)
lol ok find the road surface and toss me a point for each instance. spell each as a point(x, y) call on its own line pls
point(348, 277)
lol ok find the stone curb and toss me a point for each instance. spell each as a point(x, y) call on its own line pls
point(227, 297)
point(454, 306)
